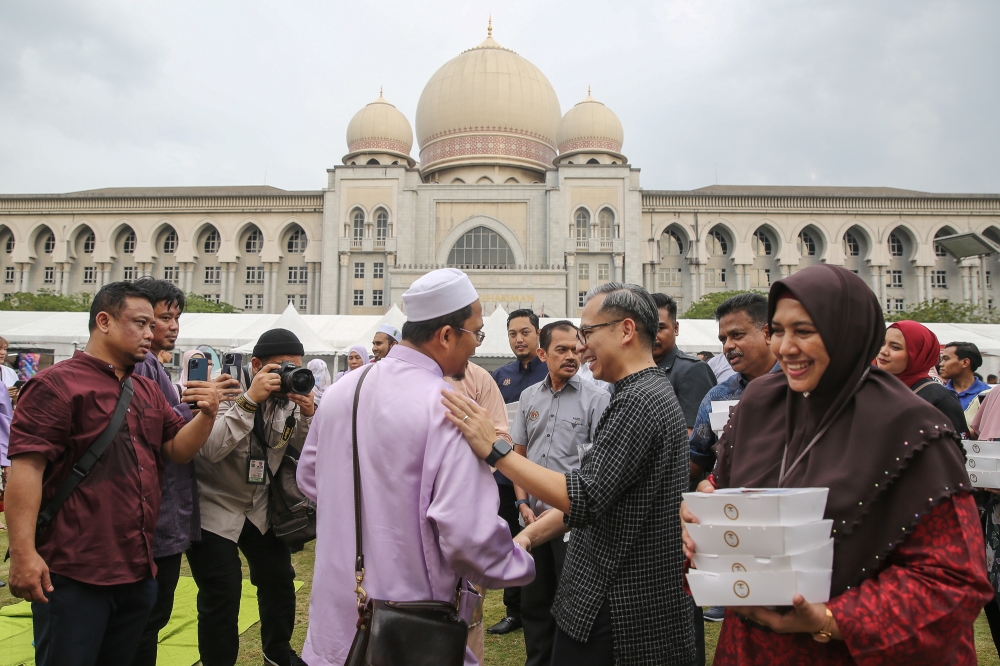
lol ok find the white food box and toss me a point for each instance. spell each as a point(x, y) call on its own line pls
point(758, 588)
point(722, 406)
point(816, 559)
point(978, 480)
point(983, 449)
point(975, 463)
point(719, 420)
point(759, 541)
point(758, 506)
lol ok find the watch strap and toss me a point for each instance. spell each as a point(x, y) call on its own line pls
point(500, 449)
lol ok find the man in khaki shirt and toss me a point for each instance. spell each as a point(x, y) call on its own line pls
point(257, 429)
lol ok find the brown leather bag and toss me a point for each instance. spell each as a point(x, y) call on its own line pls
point(394, 633)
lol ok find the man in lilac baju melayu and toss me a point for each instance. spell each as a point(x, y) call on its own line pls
point(429, 505)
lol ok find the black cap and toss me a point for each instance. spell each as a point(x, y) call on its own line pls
point(277, 342)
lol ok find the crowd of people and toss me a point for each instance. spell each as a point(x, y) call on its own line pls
point(558, 478)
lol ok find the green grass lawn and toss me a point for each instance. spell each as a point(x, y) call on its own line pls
point(500, 650)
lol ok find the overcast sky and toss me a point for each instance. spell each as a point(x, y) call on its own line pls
point(115, 94)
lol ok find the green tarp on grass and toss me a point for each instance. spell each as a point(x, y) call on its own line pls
point(178, 640)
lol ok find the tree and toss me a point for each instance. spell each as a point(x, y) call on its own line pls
point(196, 303)
point(940, 310)
point(704, 307)
point(46, 300)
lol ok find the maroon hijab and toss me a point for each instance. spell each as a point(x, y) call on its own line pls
point(885, 454)
point(922, 348)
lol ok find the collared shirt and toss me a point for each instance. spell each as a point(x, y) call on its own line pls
point(104, 532)
point(226, 499)
point(720, 366)
point(626, 538)
point(6, 414)
point(512, 379)
point(558, 427)
point(969, 394)
point(702, 436)
point(429, 505)
point(691, 379)
point(478, 386)
point(179, 523)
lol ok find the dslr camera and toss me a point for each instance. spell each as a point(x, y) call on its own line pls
point(295, 379)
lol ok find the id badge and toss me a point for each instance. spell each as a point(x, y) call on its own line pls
point(255, 470)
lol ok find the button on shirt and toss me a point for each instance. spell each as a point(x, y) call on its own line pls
point(558, 428)
point(103, 534)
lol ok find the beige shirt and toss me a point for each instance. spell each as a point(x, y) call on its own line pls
point(480, 387)
point(221, 467)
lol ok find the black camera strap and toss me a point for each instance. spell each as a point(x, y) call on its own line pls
point(90, 457)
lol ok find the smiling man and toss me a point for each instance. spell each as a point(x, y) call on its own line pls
point(555, 426)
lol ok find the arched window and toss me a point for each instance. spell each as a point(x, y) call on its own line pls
point(128, 247)
point(851, 246)
point(511, 181)
point(481, 248)
point(170, 242)
point(717, 245)
point(592, 160)
point(359, 225)
point(582, 224)
point(807, 246)
point(381, 225)
point(10, 244)
point(255, 240)
point(672, 244)
point(484, 181)
point(606, 219)
point(212, 242)
point(50, 244)
point(761, 244)
point(297, 242)
point(939, 249)
point(458, 181)
point(895, 245)
point(88, 243)
point(372, 162)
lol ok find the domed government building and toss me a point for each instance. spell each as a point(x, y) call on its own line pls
point(536, 204)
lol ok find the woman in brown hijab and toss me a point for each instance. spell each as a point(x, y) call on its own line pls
point(909, 575)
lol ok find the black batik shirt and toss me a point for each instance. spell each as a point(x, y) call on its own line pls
point(626, 535)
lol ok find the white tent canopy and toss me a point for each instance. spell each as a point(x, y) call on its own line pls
point(290, 319)
point(394, 317)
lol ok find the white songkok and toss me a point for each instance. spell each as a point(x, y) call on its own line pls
point(391, 331)
point(438, 293)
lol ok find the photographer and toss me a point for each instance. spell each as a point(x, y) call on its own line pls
point(233, 486)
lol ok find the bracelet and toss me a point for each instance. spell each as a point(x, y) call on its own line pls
point(826, 632)
point(519, 502)
point(246, 404)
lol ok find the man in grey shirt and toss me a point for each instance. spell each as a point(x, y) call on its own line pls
point(554, 427)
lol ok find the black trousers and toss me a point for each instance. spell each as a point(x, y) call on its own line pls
point(84, 625)
point(511, 595)
point(168, 571)
point(698, 619)
point(599, 650)
point(215, 565)
point(993, 617)
point(536, 602)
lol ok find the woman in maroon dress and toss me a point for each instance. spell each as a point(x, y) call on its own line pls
point(909, 576)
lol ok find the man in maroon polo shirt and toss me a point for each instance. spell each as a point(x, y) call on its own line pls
point(89, 574)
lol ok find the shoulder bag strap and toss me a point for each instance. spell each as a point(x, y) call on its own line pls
point(923, 386)
point(93, 453)
point(359, 560)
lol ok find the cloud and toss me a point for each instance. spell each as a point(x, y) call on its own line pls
point(102, 94)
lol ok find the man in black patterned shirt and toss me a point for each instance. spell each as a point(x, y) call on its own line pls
point(621, 598)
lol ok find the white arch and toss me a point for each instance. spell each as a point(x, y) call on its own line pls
point(490, 223)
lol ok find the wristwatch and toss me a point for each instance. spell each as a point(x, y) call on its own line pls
point(826, 632)
point(500, 449)
point(519, 502)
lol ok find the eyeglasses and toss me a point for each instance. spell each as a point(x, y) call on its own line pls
point(584, 333)
point(478, 335)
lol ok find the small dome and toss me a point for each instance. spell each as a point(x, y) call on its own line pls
point(590, 126)
point(379, 127)
point(488, 105)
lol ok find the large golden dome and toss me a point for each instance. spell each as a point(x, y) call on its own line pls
point(379, 128)
point(487, 106)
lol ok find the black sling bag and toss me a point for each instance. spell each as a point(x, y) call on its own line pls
point(90, 457)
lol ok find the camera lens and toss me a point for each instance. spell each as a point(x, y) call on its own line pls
point(300, 381)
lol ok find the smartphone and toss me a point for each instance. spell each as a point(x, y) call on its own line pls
point(232, 362)
point(197, 369)
point(18, 384)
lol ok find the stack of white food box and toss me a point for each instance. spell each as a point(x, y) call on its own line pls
point(719, 415)
point(760, 547)
point(982, 463)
